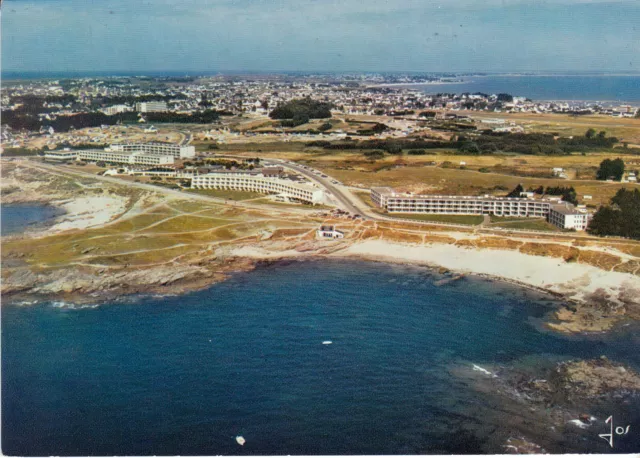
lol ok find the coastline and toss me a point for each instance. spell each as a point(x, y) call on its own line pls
point(582, 308)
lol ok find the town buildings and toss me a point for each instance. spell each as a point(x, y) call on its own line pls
point(561, 214)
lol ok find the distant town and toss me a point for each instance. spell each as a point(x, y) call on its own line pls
point(195, 133)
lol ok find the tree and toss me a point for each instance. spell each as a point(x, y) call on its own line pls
point(590, 133)
point(602, 134)
point(516, 191)
point(611, 169)
point(621, 217)
point(311, 109)
point(470, 148)
point(393, 148)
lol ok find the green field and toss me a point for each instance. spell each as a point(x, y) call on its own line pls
point(227, 194)
point(454, 219)
point(535, 224)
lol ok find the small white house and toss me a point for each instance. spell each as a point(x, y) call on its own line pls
point(329, 232)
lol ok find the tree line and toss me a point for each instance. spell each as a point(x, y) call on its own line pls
point(621, 217)
point(96, 119)
point(489, 142)
point(299, 111)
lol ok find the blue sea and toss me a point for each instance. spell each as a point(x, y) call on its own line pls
point(249, 357)
point(591, 88)
point(16, 218)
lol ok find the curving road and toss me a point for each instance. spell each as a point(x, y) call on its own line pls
point(344, 200)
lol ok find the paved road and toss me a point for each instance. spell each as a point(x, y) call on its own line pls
point(188, 136)
point(342, 198)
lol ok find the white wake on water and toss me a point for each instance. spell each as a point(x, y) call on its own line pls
point(483, 370)
point(72, 306)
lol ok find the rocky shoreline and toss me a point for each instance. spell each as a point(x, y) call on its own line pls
point(548, 403)
point(594, 300)
point(89, 285)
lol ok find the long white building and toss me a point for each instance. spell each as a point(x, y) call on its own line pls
point(115, 157)
point(110, 157)
point(561, 214)
point(151, 107)
point(177, 151)
point(61, 155)
point(257, 182)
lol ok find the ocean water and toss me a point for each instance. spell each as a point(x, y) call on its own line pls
point(17, 218)
point(603, 88)
point(187, 374)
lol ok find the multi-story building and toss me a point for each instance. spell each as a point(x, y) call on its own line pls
point(115, 109)
point(561, 214)
point(61, 155)
point(165, 149)
point(567, 216)
point(257, 182)
point(110, 156)
point(115, 157)
point(151, 107)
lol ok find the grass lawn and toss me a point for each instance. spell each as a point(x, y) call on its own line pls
point(455, 219)
point(227, 194)
point(366, 198)
point(536, 224)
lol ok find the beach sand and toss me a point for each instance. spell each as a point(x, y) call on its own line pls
point(85, 212)
point(573, 280)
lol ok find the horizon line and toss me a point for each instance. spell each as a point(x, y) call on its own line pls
point(15, 74)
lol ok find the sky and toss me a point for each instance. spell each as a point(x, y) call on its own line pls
point(320, 35)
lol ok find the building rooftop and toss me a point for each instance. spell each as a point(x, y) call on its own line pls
point(566, 208)
point(389, 192)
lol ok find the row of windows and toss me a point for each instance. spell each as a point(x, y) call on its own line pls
point(474, 204)
point(251, 185)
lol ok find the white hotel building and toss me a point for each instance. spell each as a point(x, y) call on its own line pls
point(151, 107)
point(567, 216)
point(109, 156)
point(561, 214)
point(257, 182)
point(115, 157)
point(164, 149)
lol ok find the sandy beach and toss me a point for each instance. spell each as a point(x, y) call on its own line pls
point(85, 212)
point(572, 280)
